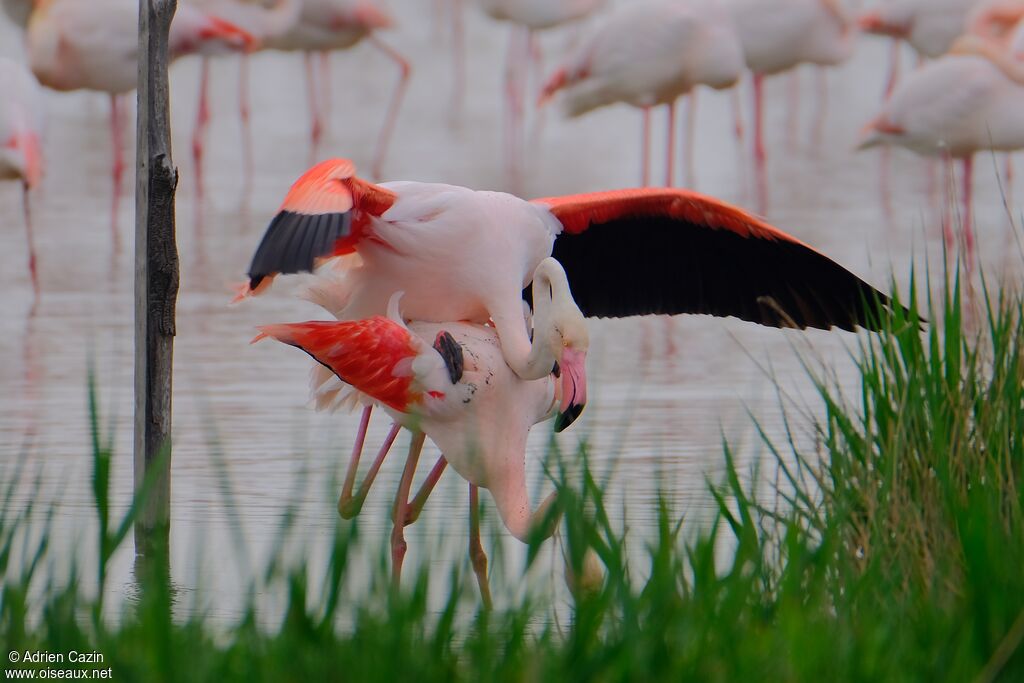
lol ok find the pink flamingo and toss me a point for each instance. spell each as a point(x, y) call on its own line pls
point(647, 55)
point(460, 254)
point(76, 45)
point(261, 22)
point(328, 25)
point(527, 17)
point(966, 101)
point(778, 35)
point(448, 381)
point(21, 152)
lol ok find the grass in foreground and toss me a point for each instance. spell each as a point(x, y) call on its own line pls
point(898, 555)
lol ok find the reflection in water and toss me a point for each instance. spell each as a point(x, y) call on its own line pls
point(656, 414)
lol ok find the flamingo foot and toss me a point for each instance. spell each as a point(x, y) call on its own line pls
point(477, 556)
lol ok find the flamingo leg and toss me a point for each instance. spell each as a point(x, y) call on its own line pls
point(401, 509)
point(689, 142)
point(396, 102)
point(968, 199)
point(894, 69)
point(671, 146)
point(245, 118)
point(202, 122)
point(327, 98)
point(117, 171)
point(537, 60)
point(645, 149)
point(349, 505)
point(759, 151)
point(316, 126)
point(426, 488)
point(32, 268)
point(737, 114)
point(477, 556)
point(947, 221)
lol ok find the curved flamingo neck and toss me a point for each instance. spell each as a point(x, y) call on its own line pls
point(551, 299)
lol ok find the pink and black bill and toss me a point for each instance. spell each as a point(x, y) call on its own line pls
point(451, 353)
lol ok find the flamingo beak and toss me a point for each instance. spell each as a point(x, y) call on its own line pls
point(573, 374)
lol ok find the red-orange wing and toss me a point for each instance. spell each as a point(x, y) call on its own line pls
point(363, 353)
point(643, 251)
point(324, 214)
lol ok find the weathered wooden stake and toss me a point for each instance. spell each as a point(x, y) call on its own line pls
point(156, 276)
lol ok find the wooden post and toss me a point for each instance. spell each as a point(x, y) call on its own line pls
point(156, 276)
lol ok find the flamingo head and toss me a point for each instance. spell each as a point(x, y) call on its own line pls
point(562, 328)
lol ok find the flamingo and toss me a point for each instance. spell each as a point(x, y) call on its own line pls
point(448, 381)
point(928, 26)
point(327, 25)
point(77, 45)
point(460, 254)
point(647, 55)
point(778, 35)
point(966, 101)
point(21, 154)
point(261, 21)
point(527, 18)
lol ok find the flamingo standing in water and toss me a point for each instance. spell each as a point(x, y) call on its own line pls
point(448, 381)
point(647, 55)
point(966, 101)
point(262, 21)
point(778, 35)
point(527, 17)
point(93, 45)
point(928, 26)
point(460, 254)
point(327, 25)
point(21, 153)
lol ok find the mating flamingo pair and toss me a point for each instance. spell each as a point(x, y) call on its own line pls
point(431, 325)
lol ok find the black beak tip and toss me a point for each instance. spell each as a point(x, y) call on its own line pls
point(563, 420)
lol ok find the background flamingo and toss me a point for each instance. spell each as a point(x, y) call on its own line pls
point(21, 152)
point(648, 55)
point(324, 26)
point(953, 107)
point(93, 46)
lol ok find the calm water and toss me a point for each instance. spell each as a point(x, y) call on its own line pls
point(656, 418)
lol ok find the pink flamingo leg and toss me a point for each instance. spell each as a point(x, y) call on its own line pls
point(645, 149)
point(968, 199)
point(426, 488)
point(1008, 186)
point(202, 123)
point(894, 69)
point(32, 269)
point(760, 172)
point(537, 60)
point(759, 153)
point(401, 509)
point(316, 128)
point(671, 147)
point(349, 505)
point(515, 94)
point(947, 222)
point(117, 171)
point(477, 556)
point(245, 118)
point(327, 98)
point(737, 114)
point(396, 103)
point(689, 142)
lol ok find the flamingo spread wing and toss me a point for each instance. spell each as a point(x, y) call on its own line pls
point(643, 251)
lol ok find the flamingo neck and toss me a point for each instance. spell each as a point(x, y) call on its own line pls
point(551, 301)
